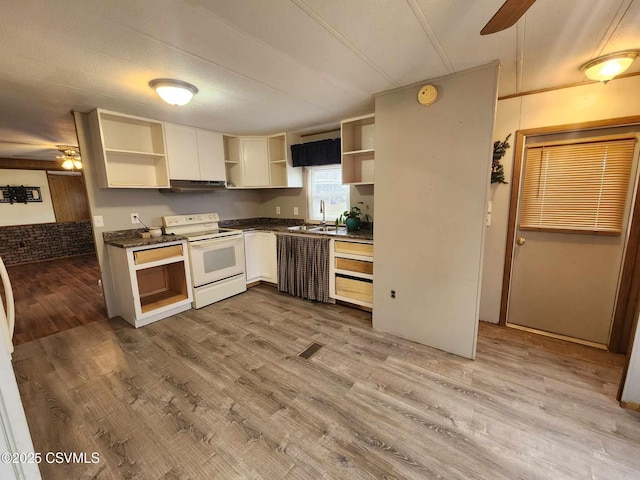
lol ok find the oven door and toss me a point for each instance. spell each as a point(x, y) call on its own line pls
point(216, 259)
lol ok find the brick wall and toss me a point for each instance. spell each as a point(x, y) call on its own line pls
point(45, 241)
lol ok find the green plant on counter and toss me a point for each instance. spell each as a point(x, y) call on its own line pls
point(354, 213)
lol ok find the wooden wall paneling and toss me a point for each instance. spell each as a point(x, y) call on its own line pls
point(21, 164)
point(69, 197)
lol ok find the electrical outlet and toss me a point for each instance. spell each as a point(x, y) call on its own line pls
point(135, 219)
point(295, 210)
point(277, 210)
point(98, 221)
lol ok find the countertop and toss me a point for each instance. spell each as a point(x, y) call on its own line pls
point(131, 239)
point(362, 234)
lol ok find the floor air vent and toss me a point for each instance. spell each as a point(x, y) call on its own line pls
point(310, 350)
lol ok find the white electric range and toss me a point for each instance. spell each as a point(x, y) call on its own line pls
point(216, 256)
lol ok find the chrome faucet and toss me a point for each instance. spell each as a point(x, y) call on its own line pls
point(322, 211)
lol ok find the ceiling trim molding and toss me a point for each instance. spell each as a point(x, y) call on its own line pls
point(431, 35)
point(327, 26)
point(570, 85)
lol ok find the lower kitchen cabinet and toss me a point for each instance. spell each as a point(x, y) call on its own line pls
point(261, 254)
point(151, 282)
point(351, 274)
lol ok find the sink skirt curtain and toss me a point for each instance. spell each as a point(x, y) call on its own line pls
point(303, 266)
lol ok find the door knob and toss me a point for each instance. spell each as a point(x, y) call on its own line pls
point(521, 240)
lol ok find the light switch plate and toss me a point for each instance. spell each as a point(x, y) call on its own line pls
point(295, 210)
point(277, 210)
point(98, 221)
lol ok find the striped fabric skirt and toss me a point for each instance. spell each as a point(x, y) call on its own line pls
point(303, 266)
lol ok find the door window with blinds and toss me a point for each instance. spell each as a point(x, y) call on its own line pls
point(578, 187)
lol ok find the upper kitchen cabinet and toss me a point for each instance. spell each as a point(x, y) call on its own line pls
point(358, 150)
point(283, 174)
point(211, 155)
point(194, 154)
point(130, 150)
point(260, 162)
point(246, 161)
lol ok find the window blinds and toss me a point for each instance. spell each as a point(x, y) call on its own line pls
point(579, 187)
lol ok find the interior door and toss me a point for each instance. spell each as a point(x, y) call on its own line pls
point(566, 283)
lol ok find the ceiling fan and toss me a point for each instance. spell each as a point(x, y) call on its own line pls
point(508, 14)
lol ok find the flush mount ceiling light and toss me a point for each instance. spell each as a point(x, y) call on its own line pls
point(174, 92)
point(604, 68)
point(70, 157)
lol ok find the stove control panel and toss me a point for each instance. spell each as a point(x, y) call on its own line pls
point(186, 220)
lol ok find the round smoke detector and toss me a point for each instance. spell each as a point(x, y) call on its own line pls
point(427, 95)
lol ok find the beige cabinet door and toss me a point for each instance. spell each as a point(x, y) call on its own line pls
point(255, 160)
point(211, 155)
point(182, 152)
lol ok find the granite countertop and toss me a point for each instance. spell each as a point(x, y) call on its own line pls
point(282, 226)
point(132, 238)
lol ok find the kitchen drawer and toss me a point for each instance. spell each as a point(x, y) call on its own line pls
point(357, 266)
point(365, 249)
point(155, 254)
point(354, 289)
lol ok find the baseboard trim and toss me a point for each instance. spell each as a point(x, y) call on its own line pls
point(631, 406)
point(600, 346)
point(261, 282)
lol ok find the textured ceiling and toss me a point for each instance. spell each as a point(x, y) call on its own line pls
point(272, 65)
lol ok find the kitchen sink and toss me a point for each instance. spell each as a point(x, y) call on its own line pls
point(312, 229)
point(321, 229)
point(299, 228)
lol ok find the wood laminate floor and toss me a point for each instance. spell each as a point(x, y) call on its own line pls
point(55, 295)
point(221, 393)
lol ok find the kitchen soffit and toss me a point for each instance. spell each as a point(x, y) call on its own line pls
point(272, 66)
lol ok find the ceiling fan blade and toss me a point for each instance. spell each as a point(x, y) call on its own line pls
point(508, 14)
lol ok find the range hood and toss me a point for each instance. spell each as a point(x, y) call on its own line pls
point(184, 186)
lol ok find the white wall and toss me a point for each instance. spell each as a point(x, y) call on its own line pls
point(34, 212)
point(432, 184)
point(619, 98)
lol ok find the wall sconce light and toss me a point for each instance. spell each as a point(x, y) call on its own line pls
point(70, 158)
point(174, 92)
point(603, 69)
